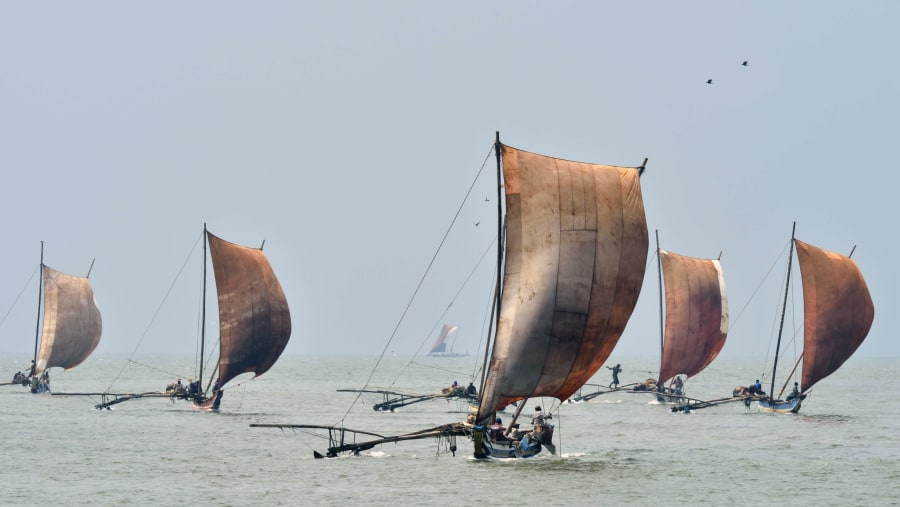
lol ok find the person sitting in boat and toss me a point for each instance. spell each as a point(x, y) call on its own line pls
point(678, 384)
point(193, 387)
point(516, 433)
point(616, 370)
point(472, 390)
point(795, 393)
point(756, 388)
point(19, 377)
point(496, 431)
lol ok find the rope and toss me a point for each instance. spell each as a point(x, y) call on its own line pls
point(421, 281)
point(16, 301)
point(440, 319)
point(156, 313)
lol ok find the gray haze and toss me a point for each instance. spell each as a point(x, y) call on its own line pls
point(346, 134)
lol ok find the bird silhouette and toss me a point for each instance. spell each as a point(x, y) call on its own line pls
point(486, 199)
point(745, 63)
point(709, 81)
point(476, 223)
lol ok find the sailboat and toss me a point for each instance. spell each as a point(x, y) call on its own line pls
point(254, 323)
point(440, 347)
point(693, 326)
point(71, 326)
point(570, 272)
point(837, 315)
point(696, 317)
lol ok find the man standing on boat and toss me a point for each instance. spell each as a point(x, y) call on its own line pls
point(616, 370)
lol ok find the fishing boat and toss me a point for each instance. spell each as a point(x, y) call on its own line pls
point(569, 274)
point(837, 315)
point(692, 328)
point(441, 347)
point(71, 326)
point(254, 324)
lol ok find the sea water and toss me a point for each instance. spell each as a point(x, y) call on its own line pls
point(620, 449)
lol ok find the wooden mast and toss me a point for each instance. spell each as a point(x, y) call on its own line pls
point(662, 334)
point(495, 308)
point(37, 330)
point(783, 311)
point(203, 306)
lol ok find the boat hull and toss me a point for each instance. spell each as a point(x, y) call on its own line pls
point(781, 406)
point(529, 446)
point(208, 404)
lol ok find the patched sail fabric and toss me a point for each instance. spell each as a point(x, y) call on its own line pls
point(440, 345)
point(575, 255)
point(254, 320)
point(838, 311)
point(72, 324)
point(696, 314)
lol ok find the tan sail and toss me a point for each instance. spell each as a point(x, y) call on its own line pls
point(838, 311)
point(696, 314)
point(440, 345)
point(72, 324)
point(254, 319)
point(575, 256)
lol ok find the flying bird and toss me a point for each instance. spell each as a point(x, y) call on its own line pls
point(709, 81)
point(476, 223)
point(745, 63)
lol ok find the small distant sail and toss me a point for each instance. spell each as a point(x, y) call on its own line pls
point(440, 345)
point(72, 324)
point(254, 319)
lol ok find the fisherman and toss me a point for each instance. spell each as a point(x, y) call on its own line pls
point(679, 385)
point(795, 393)
point(216, 386)
point(516, 433)
point(616, 370)
point(497, 430)
point(757, 388)
point(179, 387)
point(472, 390)
point(31, 369)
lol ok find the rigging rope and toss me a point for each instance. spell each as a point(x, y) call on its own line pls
point(156, 313)
point(421, 281)
point(28, 282)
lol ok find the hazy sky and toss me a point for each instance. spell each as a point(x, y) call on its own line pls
point(346, 134)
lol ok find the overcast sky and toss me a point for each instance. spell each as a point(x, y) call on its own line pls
point(346, 134)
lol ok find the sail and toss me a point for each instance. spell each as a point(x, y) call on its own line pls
point(575, 255)
point(254, 320)
point(696, 314)
point(838, 311)
point(440, 345)
point(72, 325)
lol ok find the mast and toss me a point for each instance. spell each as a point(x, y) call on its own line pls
point(662, 334)
point(203, 310)
point(37, 329)
point(783, 310)
point(495, 318)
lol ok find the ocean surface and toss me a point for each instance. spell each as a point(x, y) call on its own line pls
point(843, 449)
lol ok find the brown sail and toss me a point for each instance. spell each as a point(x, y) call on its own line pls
point(254, 320)
point(838, 311)
point(696, 314)
point(72, 325)
point(575, 255)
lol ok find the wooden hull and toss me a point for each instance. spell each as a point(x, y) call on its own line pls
point(780, 406)
point(209, 404)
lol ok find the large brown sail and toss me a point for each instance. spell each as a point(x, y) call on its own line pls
point(696, 314)
point(838, 311)
point(72, 324)
point(254, 320)
point(575, 255)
